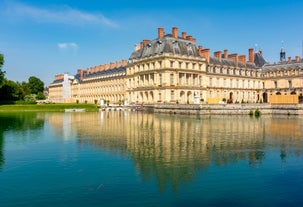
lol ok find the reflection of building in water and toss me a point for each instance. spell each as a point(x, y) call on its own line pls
point(173, 148)
point(62, 124)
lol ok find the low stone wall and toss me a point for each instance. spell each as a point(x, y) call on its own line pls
point(226, 109)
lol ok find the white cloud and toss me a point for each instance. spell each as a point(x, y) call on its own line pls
point(62, 15)
point(67, 45)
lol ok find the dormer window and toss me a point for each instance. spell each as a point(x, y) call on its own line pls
point(190, 51)
point(176, 47)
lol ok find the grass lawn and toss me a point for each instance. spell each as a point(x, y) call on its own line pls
point(46, 107)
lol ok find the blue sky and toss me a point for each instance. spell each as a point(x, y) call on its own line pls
point(44, 38)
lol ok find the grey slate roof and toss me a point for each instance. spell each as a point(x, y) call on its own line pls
point(259, 60)
point(283, 65)
point(167, 44)
point(228, 62)
point(106, 72)
point(58, 81)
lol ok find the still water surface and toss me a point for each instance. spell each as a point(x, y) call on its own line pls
point(139, 159)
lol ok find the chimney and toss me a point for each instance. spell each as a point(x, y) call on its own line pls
point(189, 37)
point(298, 59)
point(59, 76)
point(175, 32)
point(118, 64)
point(112, 65)
point(160, 32)
point(251, 55)
point(124, 62)
point(225, 54)
point(81, 73)
point(289, 60)
point(137, 47)
point(218, 55)
point(242, 58)
point(143, 43)
point(183, 35)
point(194, 41)
point(234, 57)
point(106, 66)
point(205, 53)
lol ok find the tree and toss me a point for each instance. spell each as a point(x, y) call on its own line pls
point(35, 85)
point(40, 96)
point(23, 90)
point(9, 91)
point(2, 73)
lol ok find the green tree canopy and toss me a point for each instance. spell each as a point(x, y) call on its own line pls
point(35, 85)
point(2, 73)
point(9, 91)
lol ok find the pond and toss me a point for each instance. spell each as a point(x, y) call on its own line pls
point(141, 159)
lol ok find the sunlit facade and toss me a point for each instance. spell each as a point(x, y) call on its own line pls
point(172, 69)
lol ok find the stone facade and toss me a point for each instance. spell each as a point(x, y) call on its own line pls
point(172, 69)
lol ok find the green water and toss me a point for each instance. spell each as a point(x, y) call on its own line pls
point(140, 159)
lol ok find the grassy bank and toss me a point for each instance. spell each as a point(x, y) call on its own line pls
point(47, 107)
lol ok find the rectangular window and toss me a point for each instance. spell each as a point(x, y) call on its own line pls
point(160, 64)
point(237, 83)
point(180, 78)
point(224, 83)
point(160, 79)
point(276, 84)
point(200, 80)
point(160, 97)
point(231, 83)
point(180, 64)
point(172, 95)
point(218, 82)
point(152, 78)
point(289, 84)
point(210, 82)
point(171, 79)
point(171, 64)
point(200, 66)
point(194, 66)
point(186, 64)
point(187, 79)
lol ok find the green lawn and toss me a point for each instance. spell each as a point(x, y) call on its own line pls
point(47, 107)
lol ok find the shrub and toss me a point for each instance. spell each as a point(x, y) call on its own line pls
point(30, 98)
point(251, 113)
point(25, 102)
point(40, 96)
point(257, 113)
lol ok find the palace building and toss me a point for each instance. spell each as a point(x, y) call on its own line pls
point(173, 69)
